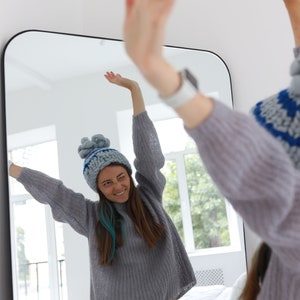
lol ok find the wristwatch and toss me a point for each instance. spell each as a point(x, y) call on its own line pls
point(187, 90)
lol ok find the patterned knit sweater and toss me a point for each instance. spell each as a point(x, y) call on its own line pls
point(255, 174)
point(137, 273)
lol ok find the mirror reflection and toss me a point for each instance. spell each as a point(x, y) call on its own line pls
point(55, 94)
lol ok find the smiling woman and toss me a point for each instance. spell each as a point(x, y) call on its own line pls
point(114, 183)
point(56, 80)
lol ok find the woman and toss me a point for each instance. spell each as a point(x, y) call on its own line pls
point(264, 185)
point(135, 250)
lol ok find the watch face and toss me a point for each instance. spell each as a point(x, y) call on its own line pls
point(191, 78)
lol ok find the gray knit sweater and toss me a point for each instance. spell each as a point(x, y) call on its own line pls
point(255, 174)
point(137, 273)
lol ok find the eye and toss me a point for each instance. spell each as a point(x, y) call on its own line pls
point(121, 177)
point(107, 183)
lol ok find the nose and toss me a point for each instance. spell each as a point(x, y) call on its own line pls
point(117, 185)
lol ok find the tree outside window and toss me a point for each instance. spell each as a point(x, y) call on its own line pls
point(196, 207)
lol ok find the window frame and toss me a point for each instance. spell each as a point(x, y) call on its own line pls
point(235, 245)
point(161, 112)
point(18, 141)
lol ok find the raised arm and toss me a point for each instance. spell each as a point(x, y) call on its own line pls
point(293, 9)
point(132, 86)
point(66, 205)
point(255, 188)
point(144, 27)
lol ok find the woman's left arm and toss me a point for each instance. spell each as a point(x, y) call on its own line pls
point(149, 157)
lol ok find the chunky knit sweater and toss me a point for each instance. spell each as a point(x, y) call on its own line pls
point(249, 167)
point(253, 171)
point(137, 273)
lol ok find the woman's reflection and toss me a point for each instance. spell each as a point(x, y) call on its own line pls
point(135, 250)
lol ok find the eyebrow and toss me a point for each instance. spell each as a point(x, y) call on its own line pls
point(119, 175)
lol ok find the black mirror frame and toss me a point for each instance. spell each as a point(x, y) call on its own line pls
point(6, 283)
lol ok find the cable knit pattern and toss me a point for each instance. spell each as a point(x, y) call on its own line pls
point(138, 273)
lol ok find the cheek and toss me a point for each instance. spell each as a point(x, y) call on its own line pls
point(103, 190)
point(128, 183)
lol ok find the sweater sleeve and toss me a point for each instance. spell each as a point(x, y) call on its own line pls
point(66, 205)
point(149, 157)
point(255, 174)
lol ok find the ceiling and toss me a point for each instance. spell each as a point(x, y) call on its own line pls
point(29, 56)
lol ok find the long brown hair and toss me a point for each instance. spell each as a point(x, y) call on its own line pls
point(255, 276)
point(110, 228)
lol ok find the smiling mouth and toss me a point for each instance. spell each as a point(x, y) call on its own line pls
point(120, 193)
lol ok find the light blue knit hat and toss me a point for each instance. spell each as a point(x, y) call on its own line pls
point(97, 155)
point(280, 115)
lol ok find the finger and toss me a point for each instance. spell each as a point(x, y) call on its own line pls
point(110, 74)
point(129, 7)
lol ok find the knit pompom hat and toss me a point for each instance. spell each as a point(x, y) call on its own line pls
point(280, 115)
point(97, 155)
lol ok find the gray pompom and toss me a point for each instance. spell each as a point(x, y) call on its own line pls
point(88, 146)
point(101, 141)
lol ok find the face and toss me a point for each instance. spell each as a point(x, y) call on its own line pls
point(114, 183)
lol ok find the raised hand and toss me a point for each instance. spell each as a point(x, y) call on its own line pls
point(132, 86)
point(119, 80)
point(143, 31)
point(144, 28)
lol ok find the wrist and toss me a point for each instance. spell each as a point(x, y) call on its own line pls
point(163, 77)
point(187, 90)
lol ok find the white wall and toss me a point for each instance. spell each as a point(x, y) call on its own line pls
point(252, 37)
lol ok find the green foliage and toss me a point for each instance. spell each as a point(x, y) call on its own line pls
point(208, 209)
point(22, 260)
point(171, 198)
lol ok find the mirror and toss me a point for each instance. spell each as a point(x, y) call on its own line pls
point(55, 93)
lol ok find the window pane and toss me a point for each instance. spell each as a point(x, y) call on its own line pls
point(32, 251)
point(208, 209)
point(61, 261)
point(42, 157)
point(35, 241)
point(172, 136)
point(171, 199)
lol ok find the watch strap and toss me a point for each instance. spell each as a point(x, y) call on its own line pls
point(187, 90)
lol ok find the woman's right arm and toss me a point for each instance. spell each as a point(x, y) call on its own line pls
point(66, 205)
point(144, 28)
point(253, 171)
point(293, 9)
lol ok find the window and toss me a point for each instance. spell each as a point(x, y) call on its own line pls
point(205, 221)
point(209, 227)
point(37, 240)
point(190, 198)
